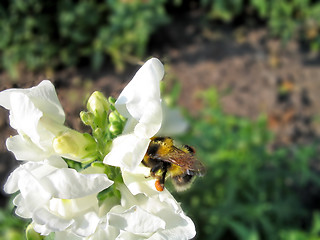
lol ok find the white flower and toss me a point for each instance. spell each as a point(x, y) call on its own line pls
point(31, 112)
point(147, 116)
point(57, 199)
point(145, 213)
point(140, 217)
point(37, 115)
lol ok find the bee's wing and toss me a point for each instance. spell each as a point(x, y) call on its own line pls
point(195, 167)
point(184, 160)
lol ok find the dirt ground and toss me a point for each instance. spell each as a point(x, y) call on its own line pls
point(253, 73)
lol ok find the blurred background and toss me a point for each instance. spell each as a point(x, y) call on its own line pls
point(245, 73)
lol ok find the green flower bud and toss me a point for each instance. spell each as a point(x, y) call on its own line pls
point(87, 118)
point(77, 146)
point(116, 128)
point(98, 133)
point(113, 117)
point(95, 167)
point(112, 100)
point(97, 104)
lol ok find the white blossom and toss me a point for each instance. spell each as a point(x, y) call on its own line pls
point(38, 117)
point(57, 199)
point(159, 215)
point(147, 115)
point(142, 217)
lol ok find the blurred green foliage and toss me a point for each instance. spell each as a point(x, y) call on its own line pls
point(248, 192)
point(312, 234)
point(45, 34)
point(285, 18)
point(11, 226)
point(40, 34)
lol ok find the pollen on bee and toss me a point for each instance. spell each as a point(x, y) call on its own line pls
point(158, 185)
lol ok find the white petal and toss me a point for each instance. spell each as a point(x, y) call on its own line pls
point(29, 121)
point(55, 161)
point(140, 102)
point(166, 197)
point(24, 116)
point(85, 224)
point(127, 200)
point(150, 122)
point(66, 235)
point(173, 122)
point(157, 202)
point(130, 126)
point(143, 87)
point(31, 110)
point(33, 192)
point(43, 96)
point(105, 231)
point(24, 172)
point(11, 185)
point(127, 151)
point(176, 224)
point(72, 207)
point(21, 209)
point(42, 229)
point(139, 181)
point(129, 236)
point(25, 149)
point(140, 99)
point(178, 227)
point(67, 183)
point(136, 220)
point(53, 222)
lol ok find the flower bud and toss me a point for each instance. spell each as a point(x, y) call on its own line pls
point(113, 117)
point(76, 146)
point(116, 128)
point(97, 104)
point(112, 100)
point(87, 118)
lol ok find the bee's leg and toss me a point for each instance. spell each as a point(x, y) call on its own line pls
point(156, 168)
point(153, 170)
point(159, 184)
point(161, 179)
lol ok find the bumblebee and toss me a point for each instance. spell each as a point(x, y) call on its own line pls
point(166, 160)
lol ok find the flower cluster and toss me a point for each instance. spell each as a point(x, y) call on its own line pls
point(76, 185)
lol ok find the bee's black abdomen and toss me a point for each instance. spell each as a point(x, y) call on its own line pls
point(183, 179)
